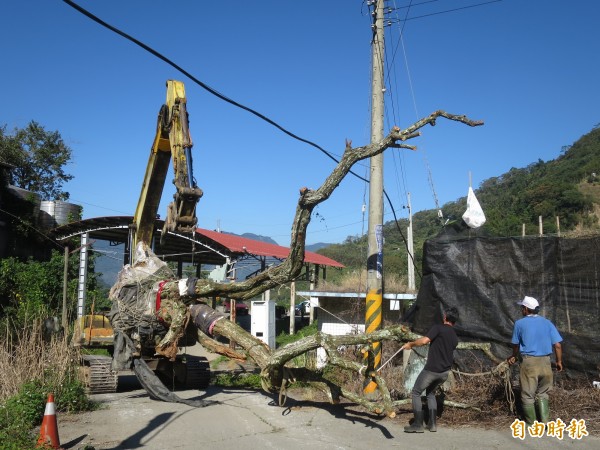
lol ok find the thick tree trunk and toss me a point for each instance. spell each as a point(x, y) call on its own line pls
point(275, 373)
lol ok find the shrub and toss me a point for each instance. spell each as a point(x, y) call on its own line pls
point(30, 369)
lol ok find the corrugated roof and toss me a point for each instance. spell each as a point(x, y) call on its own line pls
point(217, 244)
point(239, 244)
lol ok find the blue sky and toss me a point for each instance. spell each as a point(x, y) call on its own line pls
point(529, 69)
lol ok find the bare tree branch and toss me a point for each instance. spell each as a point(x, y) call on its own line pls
point(309, 199)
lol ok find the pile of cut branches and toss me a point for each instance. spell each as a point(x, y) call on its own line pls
point(570, 399)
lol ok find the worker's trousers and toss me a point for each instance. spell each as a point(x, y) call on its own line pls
point(536, 378)
point(427, 382)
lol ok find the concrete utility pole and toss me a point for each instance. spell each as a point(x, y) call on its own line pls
point(375, 233)
point(411, 253)
point(292, 307)
point(65, 322)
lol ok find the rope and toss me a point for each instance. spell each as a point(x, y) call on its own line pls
point(503, 372)
point(391, 357)
point(287, 375)
point(354, 326)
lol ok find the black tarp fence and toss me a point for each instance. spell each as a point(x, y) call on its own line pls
point(484, 277)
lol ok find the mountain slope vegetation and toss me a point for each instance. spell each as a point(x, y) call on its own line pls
point(567, 187)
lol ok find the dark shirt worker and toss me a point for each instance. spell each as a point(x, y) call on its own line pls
point(440, 358)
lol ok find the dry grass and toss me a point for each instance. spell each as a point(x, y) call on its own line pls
point(355, 281)
point(570, 399)
point(26, 356)
point(577, 400)
point(489, 395)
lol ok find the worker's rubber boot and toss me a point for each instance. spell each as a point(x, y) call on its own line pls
point(432, 425)
point(543, 410)
point(529, 414)
point(417, 425)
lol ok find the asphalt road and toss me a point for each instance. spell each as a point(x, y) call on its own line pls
point(243, 419)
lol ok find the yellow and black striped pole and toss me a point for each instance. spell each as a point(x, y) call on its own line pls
point(373, 323)
point(375, 232)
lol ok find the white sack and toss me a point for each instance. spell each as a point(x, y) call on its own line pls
point(473, 216)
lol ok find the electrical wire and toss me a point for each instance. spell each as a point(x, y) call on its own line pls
point(246, 108)
point(213, 91)
point(452, 10)
point(398, 164)
point(388, 83)
point(401, 41)
point(200, 83)
point(387, 197)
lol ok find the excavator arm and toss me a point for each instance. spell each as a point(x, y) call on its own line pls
point(172, 142)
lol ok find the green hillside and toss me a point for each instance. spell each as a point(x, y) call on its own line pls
point(567, 187)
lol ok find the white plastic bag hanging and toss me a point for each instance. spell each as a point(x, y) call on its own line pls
point(473, 216)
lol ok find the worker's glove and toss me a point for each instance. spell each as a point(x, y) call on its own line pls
point(204, 317)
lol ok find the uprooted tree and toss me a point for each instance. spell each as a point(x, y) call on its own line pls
point(181, 302)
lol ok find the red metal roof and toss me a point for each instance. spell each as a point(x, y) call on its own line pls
point(116, 229)
point(238, 244)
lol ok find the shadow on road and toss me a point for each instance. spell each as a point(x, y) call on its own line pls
point(345, 411)
point(135, 440)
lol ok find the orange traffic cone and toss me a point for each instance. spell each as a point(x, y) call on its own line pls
point(49, 429)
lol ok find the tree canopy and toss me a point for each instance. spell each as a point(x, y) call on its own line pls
point(39, 157)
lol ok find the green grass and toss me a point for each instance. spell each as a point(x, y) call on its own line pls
point(23, 412)
point(284, 338)
point(214, 364)
point(95, 351)
point(238, 380)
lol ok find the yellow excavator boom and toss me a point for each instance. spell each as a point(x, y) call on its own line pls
point(171, 142)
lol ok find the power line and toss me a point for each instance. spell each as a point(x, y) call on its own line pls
point(411, 5)
point(401, 41)
point(206, 87)
point(202, 84)
point(98, 206)
point(452, 10)
point(214, 91)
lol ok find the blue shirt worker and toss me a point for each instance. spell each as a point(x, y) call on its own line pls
point(535, 337)
point(439, 362)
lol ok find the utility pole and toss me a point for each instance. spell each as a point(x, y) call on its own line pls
point(65, 322)
point(374, 296)
point(411, 253)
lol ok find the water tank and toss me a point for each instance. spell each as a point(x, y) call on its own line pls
point(54, 213)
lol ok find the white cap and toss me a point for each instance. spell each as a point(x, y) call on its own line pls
point(529, 302)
